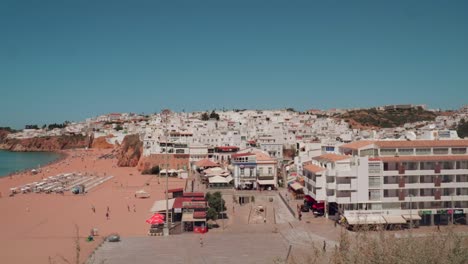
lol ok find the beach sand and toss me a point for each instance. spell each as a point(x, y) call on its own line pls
point(35, 227)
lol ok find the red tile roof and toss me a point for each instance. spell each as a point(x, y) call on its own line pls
point(422, 143)
point(425, 158)
point(313, 168)
point(407, 143)
point(242, 154)
point(205, 163)
point(331, 157)
point(357, 144)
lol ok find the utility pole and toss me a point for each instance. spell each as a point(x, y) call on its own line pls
point(166, 227)
point(411, 211)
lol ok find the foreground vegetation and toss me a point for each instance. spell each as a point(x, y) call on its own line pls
point(366, 247)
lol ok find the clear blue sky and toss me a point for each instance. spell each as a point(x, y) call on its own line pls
point(68, 60)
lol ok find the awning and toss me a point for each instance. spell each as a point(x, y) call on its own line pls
point(266, 182)
point(309, 199)
point(394, 219)
point(296, 186)
point(229, 179)
point(365, 220)
point(412, 216)
point(217, 179)
point(160, 205)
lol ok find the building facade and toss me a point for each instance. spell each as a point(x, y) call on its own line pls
point(427, 179)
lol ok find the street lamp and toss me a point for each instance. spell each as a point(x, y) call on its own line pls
point(166, 225)
point(411, 211)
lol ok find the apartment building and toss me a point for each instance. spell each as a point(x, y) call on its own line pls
point(426, 180)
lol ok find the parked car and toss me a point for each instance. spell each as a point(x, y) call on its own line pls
point(113, 238)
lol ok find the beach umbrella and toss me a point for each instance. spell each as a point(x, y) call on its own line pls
point(156, 219)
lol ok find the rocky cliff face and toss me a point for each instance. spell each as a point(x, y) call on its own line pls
point(130, 151)
point(45, 143)
point(3, 134)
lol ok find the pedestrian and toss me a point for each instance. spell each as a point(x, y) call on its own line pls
point(108, 210)
point(300, 216)
point(134, 208)
point(233, 209)
point(201, 242)
point(336, 222)
point(128, 207)
point(93, 208)
point(324, 246)
point(107, 215)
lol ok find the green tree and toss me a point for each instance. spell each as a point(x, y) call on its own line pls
point(214, 115)
point(462, 129)
point(212, 214)
point(216, 201)
point(205, 117)
point(118, 128)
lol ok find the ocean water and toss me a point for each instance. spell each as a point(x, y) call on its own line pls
point(16, 161)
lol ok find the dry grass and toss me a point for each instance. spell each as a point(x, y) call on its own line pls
point(382, 247)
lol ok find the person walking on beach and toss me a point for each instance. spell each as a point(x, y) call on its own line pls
point(201, 241)
point(107, 215)
point(93, 208)
point(108, 210)
point(128, 207)
point(134, 208)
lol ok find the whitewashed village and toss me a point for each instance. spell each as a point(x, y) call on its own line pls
point(416, 173)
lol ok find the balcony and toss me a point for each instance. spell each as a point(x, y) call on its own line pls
point(350, 173)
point(331, 185)
point(390, 173)
point(343, 200)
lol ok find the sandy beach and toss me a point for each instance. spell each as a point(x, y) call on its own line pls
point(40, 228)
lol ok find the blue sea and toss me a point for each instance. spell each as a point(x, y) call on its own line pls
point(16, 161)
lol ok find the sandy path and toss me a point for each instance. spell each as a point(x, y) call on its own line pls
point(34, 227)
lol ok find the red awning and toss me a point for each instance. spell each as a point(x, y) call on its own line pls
point(309, 199)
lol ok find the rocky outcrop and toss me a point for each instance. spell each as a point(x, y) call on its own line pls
point(130, 151)
point(3, 134)
point(45, 143)
point(101, 143)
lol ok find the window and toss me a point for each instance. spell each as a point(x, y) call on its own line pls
point(374, 167)
point(374, 182)
point(423, 151)
point(405, 152)
point(387, 152)
point(440, 151)
point(270, 171)
point(242, 171)
point(458, 150)
point(374, 195)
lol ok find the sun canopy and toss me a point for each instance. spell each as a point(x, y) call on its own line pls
point(229, 179)
point(296, 186)
point(365, 220)
point(412, 216)
point(217, 179)
point(394, 219)
point(266, 182)
point(160, 205)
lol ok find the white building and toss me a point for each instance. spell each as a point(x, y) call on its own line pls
point(427, 179)
point(254, 169)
